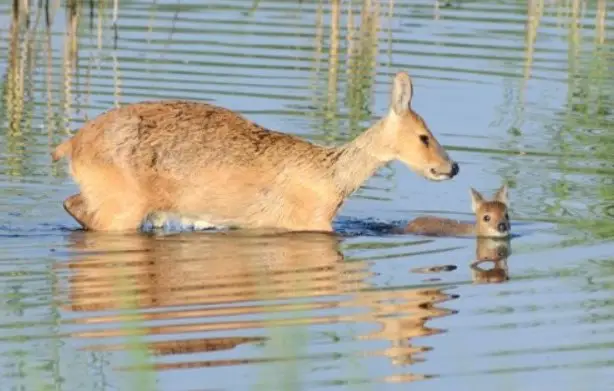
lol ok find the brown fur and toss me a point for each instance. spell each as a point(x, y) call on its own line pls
point(495, 211)
point(208, 163)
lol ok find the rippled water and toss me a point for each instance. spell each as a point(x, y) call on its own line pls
point(518, 92)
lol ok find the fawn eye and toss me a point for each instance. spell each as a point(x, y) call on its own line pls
point(486, 218)
point(425, 140)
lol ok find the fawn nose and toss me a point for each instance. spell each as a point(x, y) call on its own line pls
point(502, 227)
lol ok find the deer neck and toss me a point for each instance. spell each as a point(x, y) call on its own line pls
point(358, 160)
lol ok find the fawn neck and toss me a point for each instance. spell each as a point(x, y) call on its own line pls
point(361, 157)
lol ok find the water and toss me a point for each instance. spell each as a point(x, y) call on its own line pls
point(518, 92)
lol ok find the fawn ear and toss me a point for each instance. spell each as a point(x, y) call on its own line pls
point(476, 200)
point(402, 92)
point(501, 195)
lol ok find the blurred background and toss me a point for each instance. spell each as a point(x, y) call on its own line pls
point(519, 92)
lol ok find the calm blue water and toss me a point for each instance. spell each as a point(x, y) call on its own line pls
point(518, 92)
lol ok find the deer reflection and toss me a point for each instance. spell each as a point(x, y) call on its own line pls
point(495, 252)
point(402, 315)
point(229, 276)
point(200, 283)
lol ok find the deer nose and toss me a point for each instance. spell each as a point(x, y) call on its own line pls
point(502, 227)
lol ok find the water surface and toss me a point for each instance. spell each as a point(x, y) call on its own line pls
point(519, 92)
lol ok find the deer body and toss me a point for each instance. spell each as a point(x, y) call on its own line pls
point(249, 184)
point(207, 163)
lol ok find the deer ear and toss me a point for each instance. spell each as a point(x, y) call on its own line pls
point(501, 195)
point(476, 199)
point(402, 92)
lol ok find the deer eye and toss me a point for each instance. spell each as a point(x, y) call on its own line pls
point(486, 218)
point(425, 139)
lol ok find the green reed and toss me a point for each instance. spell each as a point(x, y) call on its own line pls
point(589, 94)
point(346, 47)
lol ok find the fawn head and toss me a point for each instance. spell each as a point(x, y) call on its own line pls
point(414, 144)
point(492, 219)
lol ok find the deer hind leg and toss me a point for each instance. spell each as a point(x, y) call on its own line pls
point(76, 206)
point(106, 216)
point(107, 202)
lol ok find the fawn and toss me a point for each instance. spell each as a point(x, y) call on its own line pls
point(492, 219)
point(207, 163)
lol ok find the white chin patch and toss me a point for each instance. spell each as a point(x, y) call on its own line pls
point(438, 178)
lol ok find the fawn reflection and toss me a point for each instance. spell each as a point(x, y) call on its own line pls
point(197, 284)
point(494, 252)
point(488, 251)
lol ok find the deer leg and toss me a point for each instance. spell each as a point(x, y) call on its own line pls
point(108, 215)
point(76, 206)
